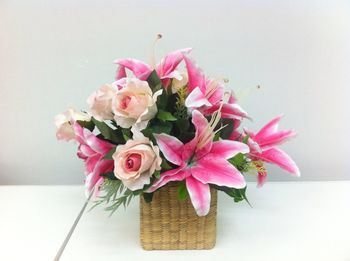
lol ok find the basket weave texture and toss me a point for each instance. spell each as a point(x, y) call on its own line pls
point(170, 224)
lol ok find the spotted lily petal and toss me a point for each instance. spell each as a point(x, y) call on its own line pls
point(171, 147)
point(196, 99)
point(195, 77)
point(280, 158)
point(228, 148)
point(170, 175)
point(170, 62)
point(217, 171)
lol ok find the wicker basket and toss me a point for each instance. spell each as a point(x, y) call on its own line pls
point(170, 224)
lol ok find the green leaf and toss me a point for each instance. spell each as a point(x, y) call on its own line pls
point(182, 124)
point(162, 100)
point(107, 132)
point(157, 174)
point(237, 160)
point(161, 127)
point(237, 194)
point(154, 81)
point(217, 136)
point(240, 162)
point(165, 165)
point(148, 197)
point(87, 125)
point(109, 175)
point(245, 139)
point(182, 192)
point(165, 116)
point(126, 134)
point(110, 153)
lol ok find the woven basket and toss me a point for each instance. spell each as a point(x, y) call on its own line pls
point(170, 224)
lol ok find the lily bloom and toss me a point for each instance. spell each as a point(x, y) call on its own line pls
point(92, 150)
point(263, 149)
point(166, 69)
point(201, 162)
point(206, 95)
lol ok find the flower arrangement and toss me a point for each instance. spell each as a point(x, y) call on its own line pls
point(169, 123)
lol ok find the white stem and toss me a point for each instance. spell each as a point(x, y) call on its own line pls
point(70, 233)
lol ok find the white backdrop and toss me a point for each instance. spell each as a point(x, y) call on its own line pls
point(53, 54)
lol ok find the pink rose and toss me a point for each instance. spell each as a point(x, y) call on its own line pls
point(64, 122)
point(134, 104)
point(136, 161)
point(100, 102)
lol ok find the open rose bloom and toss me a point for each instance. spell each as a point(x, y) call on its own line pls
point(152, 125)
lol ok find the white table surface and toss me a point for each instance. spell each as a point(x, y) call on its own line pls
point(288, 221)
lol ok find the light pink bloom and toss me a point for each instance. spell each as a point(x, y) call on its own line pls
point(166, 69)
point(134, 104)
point(100, 102)
point(92, 150)
point(206, 94)
point(64, 122)
point(201, 162)
point(263, 147)
point(136, 161)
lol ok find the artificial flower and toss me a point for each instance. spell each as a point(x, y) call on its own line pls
point(92, 150)
point(136, 161)
point(64, 123)
point(206, 94)
point(135, 104)
point(166, 69)
point(100, 102)
point(263, 148)
point(201, 162)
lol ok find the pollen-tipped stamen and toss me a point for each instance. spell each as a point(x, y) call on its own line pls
point(153, 52)
point(209, 133)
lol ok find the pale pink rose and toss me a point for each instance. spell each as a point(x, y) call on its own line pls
point(100, 102)
point(134, 104)
point(64, 122)
point(136, 161)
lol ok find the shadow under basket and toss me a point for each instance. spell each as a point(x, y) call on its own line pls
point(170, 224)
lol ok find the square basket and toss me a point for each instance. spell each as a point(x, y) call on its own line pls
point(168, 223)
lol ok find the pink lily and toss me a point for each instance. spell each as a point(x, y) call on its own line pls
point(263, 148)
point(201, 162)
point(92, 150)
point(166, 69)
point(206, 94)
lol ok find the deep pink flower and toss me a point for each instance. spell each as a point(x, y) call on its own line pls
point(206, 94)
point(263, 148)
point(92, 150)
point(166, 69)
point(201, 162)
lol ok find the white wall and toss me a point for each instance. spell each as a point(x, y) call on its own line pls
point(53, 54)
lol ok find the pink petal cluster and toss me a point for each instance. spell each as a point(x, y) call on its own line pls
point(135, 102)
point(263, 147)
point(200, 162)
point(206, 94)
point(92, 150)
point(166, 69)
